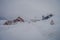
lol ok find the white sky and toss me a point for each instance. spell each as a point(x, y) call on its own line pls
point(28, 8)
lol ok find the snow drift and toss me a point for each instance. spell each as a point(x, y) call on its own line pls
point(40, 30)
point(28, 31)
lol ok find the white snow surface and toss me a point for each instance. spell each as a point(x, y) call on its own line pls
point(41, 30)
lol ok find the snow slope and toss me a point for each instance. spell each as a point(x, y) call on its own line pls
point(41, 30)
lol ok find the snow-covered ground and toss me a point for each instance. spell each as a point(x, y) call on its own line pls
point(40, 30)
point(30, 30)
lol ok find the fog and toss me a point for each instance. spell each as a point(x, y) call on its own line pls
point(11, 9)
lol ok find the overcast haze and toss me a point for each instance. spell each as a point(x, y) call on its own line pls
point(14, 8)
point(11, 9)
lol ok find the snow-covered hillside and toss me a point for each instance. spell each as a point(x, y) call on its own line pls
point(28, 31)
point(40, 30)
point(33, 27)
